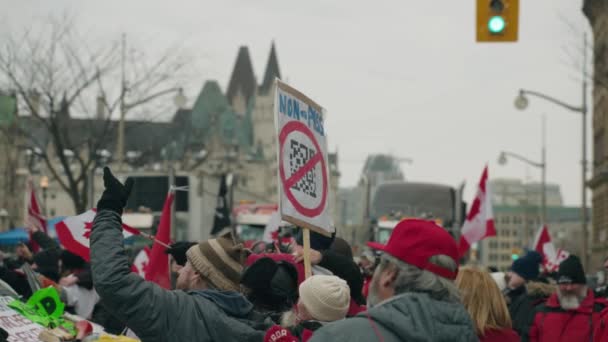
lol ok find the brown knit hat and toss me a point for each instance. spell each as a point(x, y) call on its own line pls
point(220, 261)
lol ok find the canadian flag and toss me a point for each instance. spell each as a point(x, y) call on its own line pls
point(74, 233)
point(35, 220)
point(479, 223)
point(141, 262)
point(551, 257)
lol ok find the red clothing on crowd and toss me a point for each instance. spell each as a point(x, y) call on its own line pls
point(587, 323)
point(366, 282)
point(355, 308)
point(276, 333)
point(500, 335)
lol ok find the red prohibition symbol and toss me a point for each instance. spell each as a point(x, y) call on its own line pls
point(296, 126)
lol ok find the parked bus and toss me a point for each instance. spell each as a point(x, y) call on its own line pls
point(395, 201)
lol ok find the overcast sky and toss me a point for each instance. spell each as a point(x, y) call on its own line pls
point(402, 77)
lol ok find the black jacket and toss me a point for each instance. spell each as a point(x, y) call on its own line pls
point(346, 269)
point(522, 303)
point(17, 281)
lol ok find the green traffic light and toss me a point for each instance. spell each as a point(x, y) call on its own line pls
point(514, 257)
point(496, 24)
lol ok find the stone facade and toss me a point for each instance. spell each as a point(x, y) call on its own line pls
point(597, 14)
point(514, 192)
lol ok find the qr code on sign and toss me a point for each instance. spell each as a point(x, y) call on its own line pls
point(299, 155)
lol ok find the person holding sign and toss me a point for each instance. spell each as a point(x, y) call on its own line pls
point(412, 295)
point(210, 310)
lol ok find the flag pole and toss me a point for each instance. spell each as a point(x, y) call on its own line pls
point(151, 237)
point(136, 231)
point(307, 266)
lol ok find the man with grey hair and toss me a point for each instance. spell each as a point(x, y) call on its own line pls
point(412, 296)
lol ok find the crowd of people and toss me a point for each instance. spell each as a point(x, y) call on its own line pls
point(410, 289)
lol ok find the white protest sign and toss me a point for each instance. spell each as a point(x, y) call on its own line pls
point(302, 155)
point(19, 328)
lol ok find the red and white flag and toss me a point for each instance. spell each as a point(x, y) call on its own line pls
point(158, 268)
point(74, 233)
point(141, 262)
point(551, 257)
point(480, 220)
point(34, 219)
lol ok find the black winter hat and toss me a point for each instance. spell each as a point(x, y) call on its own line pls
point(178, 251)
point(342, 247)
point(571, 271)
point(47, 264)
point(528, 266)
point(273, 285)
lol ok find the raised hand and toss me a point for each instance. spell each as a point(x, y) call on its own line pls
point(116, 194)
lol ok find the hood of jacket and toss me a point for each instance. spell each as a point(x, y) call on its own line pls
point(540, 290)
point(232, 303)
point(418, 317)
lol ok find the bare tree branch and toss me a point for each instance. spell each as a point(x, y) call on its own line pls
point(57, 63)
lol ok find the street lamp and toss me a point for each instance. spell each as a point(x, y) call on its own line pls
point(521, 103)
point(502, 160)
point(180, 99)
point(44, 184)
point(365, 181)
point(3, 216)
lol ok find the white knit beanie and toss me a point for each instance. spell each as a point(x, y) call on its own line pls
point(499, 278)
point(326, 297)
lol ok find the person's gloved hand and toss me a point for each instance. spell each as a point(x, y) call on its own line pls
point(115, 195)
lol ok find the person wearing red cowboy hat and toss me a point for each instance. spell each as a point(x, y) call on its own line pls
point(412, 295)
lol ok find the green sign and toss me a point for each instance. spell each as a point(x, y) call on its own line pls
point(46, 302)
point(45, 308)
point(8, 109)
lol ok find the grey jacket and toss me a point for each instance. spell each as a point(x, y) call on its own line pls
point(156, 314)
point(407, 317)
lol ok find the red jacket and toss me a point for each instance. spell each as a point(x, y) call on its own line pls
point(366, 283)
point(554, 324)
point(354, 309)
point(502, 335)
